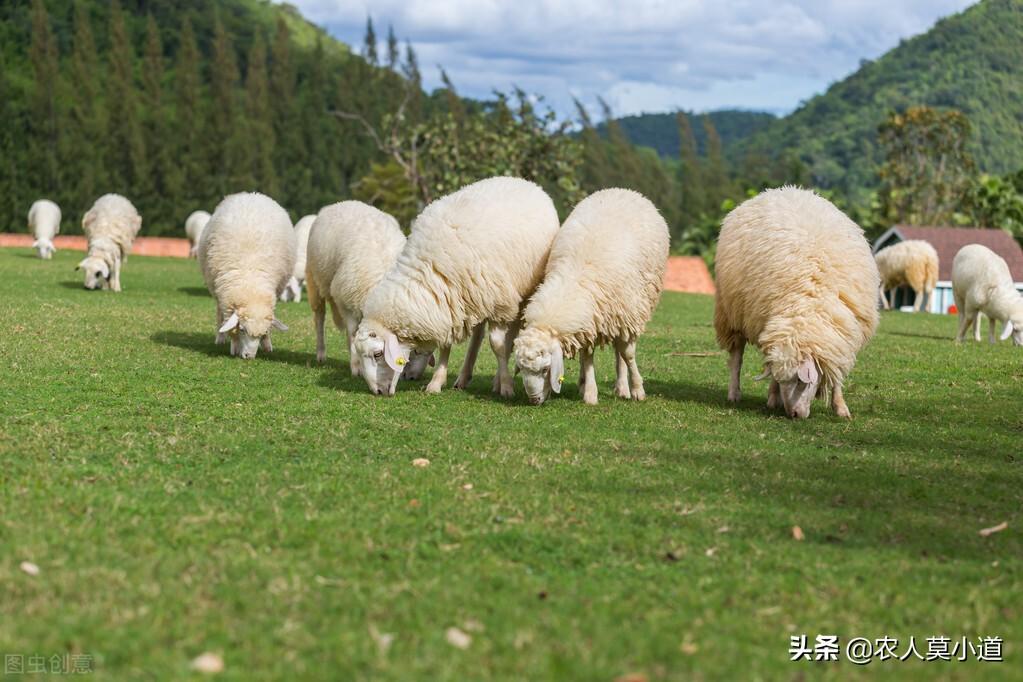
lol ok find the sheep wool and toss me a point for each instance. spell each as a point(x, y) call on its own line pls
point(602, 283)
point(473, 257)
point(982, 283)
point(795, 277)
point(247, 254)
point(194, 225)
point(912, 263)
point(44, 224)
point(110, 227)
point(351, 247)
point(293, 289)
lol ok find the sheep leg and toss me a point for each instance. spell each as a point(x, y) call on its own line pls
point(501, 339)
point(838, 403)
point(115, 275)
point(977, 321)
point(351, 327)
point(465, 376)
point(918, 300)
point(627, 350)
point(319, 317)
point(964, 323)
point(735, 367)
point(621, 374)
point(440, 374)
point(991, 330)
point(773, 395)
point(884, 299)
point(221, 336)
point(590, 384)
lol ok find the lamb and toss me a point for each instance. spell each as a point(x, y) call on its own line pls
point(44, 224)
point(110, 226)
point(351, 247)
point(795, 277)
point(914, 263)
point(981, 283)
point(602, 283)
point(473, 257)
point(194, 225)
point(247, 254)
point(293, 289)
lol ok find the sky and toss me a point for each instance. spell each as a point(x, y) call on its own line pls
point(640, 55)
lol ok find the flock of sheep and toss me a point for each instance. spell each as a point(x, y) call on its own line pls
point(795, 277)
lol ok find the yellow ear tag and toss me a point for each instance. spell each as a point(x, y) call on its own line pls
point(561, 379)
point(400, 361)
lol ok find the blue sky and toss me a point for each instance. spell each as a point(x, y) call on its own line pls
point(641, 55)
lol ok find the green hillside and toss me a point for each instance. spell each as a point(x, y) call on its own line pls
point(972, 61)
point(660, 131)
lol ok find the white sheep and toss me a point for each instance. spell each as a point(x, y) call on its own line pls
point(293, 289)
point(602, 283)
point(247, 254)
point(473, 257)
point(195, 223)
point(913, 263)
point(982, 283)
point(351, 247)
point(110, 226)
point(795, 277)
point(44, 224)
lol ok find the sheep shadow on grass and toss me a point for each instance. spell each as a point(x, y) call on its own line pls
point(195, 291)
point(203, 343)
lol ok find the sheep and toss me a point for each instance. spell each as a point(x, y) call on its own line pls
point(981, 283)
point(914, 263)
point(795, 277)
point(602, 283)
point(293, 289)
point(110, 226)
point(351, 247)
point(247, 254)
point(44, 224)
point(472, 257)
point(194, 225)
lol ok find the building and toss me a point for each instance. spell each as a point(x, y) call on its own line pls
point(947, 241)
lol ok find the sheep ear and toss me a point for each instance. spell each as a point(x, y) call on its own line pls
point(557, 374)
point(1007, 332)
point(807, 371)
point(231, 323)
point(277, 324)
point(80, 264)
point(763, 375)
point(392, 352)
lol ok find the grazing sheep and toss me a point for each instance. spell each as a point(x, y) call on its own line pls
point(293, 289)
point(110, 227)
point(913, 263)
point(194, 225)
point(351, 247)
point(981, 283)
point(795, 277)
point(602, 283)
point(247, 254)
point(44, 224)
point(473, 257)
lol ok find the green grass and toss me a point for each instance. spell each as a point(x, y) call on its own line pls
point(179, 501)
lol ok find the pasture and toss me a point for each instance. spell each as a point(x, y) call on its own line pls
point(180, 501)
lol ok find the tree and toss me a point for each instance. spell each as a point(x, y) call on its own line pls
point(291, 168)
point(692, 191)
point(260, 136)
point(226, 166)
point(45, 115)
point(454, 102)
point(369, 45)
point(927, 166)
point(189, 131)
point(126, 149)
point(166, 180)
point(393, 51)
point(84, 152)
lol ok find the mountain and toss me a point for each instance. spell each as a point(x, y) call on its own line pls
point(971, 61)
point(660, 131)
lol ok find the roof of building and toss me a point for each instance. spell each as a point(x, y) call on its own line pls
point(948, 240)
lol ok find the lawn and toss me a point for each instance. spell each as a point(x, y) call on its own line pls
point(178, 501)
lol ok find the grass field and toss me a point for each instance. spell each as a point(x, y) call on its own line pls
point(179, 501)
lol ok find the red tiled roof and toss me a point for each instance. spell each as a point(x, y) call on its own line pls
point(143, 246)
point(948, 240)
point(688, 274)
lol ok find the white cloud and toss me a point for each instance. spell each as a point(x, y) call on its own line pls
point(644, 55)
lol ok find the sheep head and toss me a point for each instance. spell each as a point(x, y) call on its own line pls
point(249, 326)
point(383, 356)
point(540, 360)
point(417, 363)
point(1014, 326)
point(45, 248)
point(97, 272)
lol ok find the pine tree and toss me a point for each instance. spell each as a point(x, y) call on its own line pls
point(322, 134)
point(12, 212)
point(414, 83)
point(260, 121)
point(196, 190)
point(126, 150)
point(369, 47)
point(45, 114)
point(716, 182)
point(88, 125)
point(690, 171)
point(292, 172)
point(455, 105)
point(166, 178)
point(393, 51)
point(224, 130)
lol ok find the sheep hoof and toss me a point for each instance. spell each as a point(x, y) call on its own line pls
point(843, 412)
point(639, 394)
point(772, 402)
point(221, 338)
point(460, 383)
point(507, 391)
point(433, 388)
point(622, 391)
point(321, 356)
point(736, 396)
point(590, 397)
